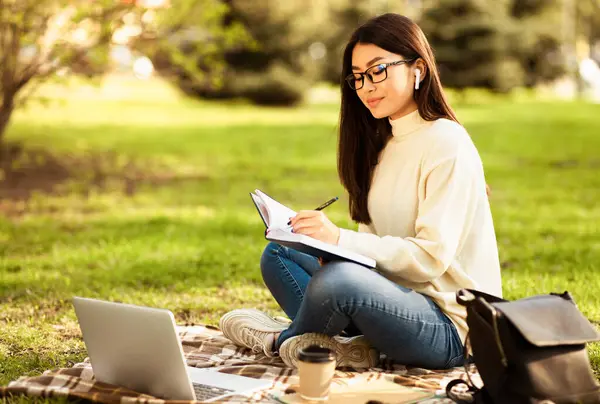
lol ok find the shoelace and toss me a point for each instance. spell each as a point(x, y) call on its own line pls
point(257, 341)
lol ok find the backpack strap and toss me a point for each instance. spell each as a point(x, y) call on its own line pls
point(460, 398)
point(464, 297)
point(473, 395)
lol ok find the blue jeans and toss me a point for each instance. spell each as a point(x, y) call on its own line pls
point(343, 297)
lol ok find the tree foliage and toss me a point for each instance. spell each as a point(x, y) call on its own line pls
point(273, 69)
point(539, 39)
point(297, 43)
point(41, 38)
point(474, 41)
point(502, 44)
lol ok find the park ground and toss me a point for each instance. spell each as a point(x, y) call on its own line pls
point(145, 200)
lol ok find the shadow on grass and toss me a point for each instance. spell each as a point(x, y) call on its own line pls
point(24, 172)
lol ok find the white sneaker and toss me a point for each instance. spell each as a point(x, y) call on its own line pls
point(283, 320)
point(354, 352)
point(252, 329)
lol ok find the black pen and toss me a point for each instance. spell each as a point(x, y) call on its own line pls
point(326, 204)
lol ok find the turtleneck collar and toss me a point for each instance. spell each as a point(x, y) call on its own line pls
point(407, 124)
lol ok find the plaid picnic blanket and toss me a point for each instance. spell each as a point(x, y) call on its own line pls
point(205, 346)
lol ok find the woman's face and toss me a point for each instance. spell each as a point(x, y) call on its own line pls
point(392, 97)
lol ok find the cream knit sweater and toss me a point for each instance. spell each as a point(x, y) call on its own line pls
point(432, 228)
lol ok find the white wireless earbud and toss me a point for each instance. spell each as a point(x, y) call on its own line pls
point(417, 78)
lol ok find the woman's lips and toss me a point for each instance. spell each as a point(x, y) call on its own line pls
point(374, 101)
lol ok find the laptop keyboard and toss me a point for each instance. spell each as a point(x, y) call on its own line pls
point(206, 392)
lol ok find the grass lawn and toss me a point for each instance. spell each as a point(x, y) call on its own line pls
point(157, 210)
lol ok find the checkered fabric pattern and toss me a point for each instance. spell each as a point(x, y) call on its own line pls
point(205, 346)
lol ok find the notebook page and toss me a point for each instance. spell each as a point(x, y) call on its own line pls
point(279, 215)
point(262, 209)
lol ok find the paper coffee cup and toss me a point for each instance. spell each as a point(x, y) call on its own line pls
point(316, 366)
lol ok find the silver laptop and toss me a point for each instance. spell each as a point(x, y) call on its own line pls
point(138, 348)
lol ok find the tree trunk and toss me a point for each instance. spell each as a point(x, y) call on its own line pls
point(6, 110)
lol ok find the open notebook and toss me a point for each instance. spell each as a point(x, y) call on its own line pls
point(276, 216)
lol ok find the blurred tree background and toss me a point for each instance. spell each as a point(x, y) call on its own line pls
point(298, 43)
point(271, 52)
point(46, 39)
point(496, 45)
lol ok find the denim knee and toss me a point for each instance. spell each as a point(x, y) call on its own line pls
point(336, 282)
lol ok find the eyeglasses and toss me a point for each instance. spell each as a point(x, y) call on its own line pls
point(376, 74)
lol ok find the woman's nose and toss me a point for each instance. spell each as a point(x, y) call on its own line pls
point(368, 84)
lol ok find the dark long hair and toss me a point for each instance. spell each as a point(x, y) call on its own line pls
point(362, 136)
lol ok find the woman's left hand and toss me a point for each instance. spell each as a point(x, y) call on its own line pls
point(316, 224)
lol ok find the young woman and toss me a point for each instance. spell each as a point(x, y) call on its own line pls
point(417, 190)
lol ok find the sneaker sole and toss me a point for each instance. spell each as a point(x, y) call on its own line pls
point(354, 352)
point(260, 321)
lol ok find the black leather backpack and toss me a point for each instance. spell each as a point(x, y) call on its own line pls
point(530, 350)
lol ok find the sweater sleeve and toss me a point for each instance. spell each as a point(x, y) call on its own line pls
point(444, 215)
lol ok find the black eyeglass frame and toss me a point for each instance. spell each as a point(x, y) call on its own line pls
point(350, 79)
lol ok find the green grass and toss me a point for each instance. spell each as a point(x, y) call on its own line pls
point(189, 238)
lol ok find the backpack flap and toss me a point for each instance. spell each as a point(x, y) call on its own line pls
point(548, 320)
